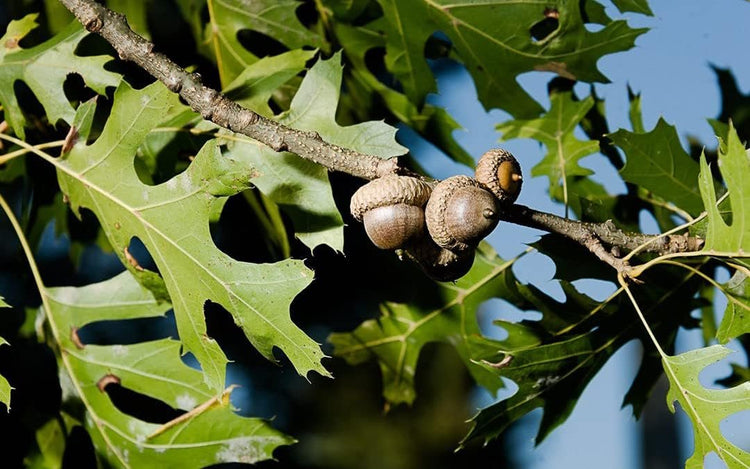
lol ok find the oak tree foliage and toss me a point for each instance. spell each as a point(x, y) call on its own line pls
point(212, 248)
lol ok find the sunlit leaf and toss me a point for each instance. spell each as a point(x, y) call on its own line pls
point(171, 219)
point(556, 131)
point(209, 433)
point(706, 407)
point(299, 186)
point(734, 163)
point(736, 318)
point(44, 68)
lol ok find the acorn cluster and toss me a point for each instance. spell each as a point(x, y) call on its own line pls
point(439, 225)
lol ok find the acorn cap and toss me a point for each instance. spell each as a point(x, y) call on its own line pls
point(389, 190)
point(499, 172)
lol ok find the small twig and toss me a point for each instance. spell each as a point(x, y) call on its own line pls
point(605, 233)
point(215, 107)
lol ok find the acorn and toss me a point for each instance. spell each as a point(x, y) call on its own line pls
point(499, 172)
point(391, 208)
point(460, 213)
point(439, 263)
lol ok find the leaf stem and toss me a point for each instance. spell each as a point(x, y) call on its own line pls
point(48, 310)
point(9, 156)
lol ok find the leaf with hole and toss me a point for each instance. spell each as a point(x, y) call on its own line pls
point(44, 68)
point(230, 19)
point(730, 237)
point(207, 432)
point(172, 221)
point(497, 41)
point(301, 187)
point(706, 407)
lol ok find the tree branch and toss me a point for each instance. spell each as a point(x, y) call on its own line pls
point(215, 107)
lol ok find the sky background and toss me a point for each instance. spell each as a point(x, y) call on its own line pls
point(671, 68)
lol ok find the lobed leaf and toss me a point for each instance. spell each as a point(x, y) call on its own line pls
point(276, 19)
point(44, 68)
point(736, 318)
point(299, 186)
point(657, 162)
point(497, 41)
point(171, 219)
point(706, 407)
point(734, 163)
point(555, 129)
point(209, 433)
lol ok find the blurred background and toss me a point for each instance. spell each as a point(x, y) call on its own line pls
point(343, 423)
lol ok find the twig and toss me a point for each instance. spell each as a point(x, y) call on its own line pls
point(215, 107)
point(588, 234)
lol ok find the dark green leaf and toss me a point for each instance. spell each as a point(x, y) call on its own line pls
point(657, 162)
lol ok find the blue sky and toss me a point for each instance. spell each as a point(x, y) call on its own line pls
point(671, 68)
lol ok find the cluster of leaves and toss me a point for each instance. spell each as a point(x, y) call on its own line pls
point(157, 176)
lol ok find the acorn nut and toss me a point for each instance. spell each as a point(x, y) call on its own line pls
point(391, 208)
point(439, 263)
point(499, 172)
point(460, 213)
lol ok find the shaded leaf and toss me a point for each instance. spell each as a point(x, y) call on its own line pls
point(397, 337)
point(706, 407)
point(209, 433)
point(171, 219)
point(301, 187)
point(44, 68)
point(496, 42)
point(657, 162)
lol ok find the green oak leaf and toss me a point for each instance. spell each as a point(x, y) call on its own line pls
point(636, 6)
point(706, 407)
point(301, 187)
point(5, 387)
point(494, 40)
point(574, 340)
point(172, 221)
point(397, 337)
point(254, 86)
point(555, 129)
point(274, 18)
point(736, 318)
point(433, 123)
point(730, 238)
point(657, 162)
point(44, 68)
point(210, 433)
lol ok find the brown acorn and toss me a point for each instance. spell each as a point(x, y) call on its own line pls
point(460, 213)
point(499, 172)
point(439, 263)
point(391, 208)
